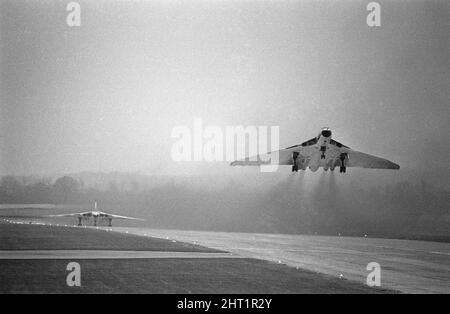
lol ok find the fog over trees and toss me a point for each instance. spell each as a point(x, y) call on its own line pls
point(286, 204)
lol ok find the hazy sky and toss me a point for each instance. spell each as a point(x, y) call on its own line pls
point(106, 96)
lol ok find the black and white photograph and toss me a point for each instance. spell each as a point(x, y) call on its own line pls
point(218, 155)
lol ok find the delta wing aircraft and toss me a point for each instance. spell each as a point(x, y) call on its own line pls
point(320, 151)
point(96, 215)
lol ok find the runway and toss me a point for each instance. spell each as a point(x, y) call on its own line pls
point(105, 254)
point(34, 259)
point(406, 265)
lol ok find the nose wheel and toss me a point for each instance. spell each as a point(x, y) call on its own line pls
point(322, 150)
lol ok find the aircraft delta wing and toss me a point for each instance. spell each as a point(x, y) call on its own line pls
point(319, 152)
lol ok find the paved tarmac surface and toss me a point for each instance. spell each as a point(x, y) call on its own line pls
point(406, 265)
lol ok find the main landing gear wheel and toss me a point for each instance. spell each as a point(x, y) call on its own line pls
point(343, 169)
point(294, 161)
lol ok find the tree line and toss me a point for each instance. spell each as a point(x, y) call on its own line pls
point(400, 209)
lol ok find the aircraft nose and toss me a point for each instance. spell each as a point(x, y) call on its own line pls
point(326, 133)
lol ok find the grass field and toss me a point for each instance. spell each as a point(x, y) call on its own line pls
point(169, 276)
point(38, 237)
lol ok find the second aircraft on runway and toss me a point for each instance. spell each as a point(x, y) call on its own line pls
point(96, 215)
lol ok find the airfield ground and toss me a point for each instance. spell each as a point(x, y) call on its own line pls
point(39, 237)
point(408, 266)
point(186, 274)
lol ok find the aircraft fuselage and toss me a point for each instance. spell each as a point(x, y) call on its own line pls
point(321, 154)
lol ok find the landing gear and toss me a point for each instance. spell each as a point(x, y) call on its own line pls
point(323, 149)
point(294, 161)
point(343, 168)
point(79, 222)
point(110, 222)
